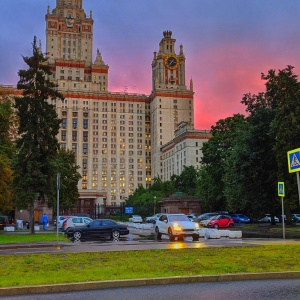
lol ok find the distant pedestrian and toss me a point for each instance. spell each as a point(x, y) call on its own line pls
point(45, 221)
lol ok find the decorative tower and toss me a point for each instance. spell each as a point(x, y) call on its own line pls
point(171, 101)
point(69, 47)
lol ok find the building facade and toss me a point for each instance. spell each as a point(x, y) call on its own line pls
point(121, 140)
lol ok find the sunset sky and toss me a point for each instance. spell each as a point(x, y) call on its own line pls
point(227, 43)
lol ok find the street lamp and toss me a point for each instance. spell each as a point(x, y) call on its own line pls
point(154, 204)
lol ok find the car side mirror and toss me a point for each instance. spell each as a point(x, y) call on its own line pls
point(166, 221)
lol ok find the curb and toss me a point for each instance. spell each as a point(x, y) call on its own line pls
point(106, 284)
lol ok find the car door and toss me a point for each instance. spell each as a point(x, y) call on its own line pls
point(164, 224)
point(223, 221)
point(92, 230)
point(78, 222)
point(106, 228)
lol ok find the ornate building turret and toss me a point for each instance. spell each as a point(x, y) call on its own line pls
point(171, 101)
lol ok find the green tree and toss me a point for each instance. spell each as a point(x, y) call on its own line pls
point(6, 153)
point(186, 182)
point(210, 186)
point(250, 182)
point(145, 201)
point(65, 165)
point(283, 89)
point(37, 144)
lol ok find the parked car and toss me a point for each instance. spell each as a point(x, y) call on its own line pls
point(192, 216)
point(296, 217)
point(136, 219)
point(61, 220)
point(153, 218)
point(101, 228)
point(75, 222)
point(240, 218)
point(3, 222)
point(204, 218)
point(220, 221)
point(176, 225)
point(267, 219)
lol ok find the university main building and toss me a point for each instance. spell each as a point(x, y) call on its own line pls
point(121, 140)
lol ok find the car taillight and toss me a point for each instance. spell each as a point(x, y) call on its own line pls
point(65, 223)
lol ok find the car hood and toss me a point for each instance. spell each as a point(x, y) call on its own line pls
point(186, 224)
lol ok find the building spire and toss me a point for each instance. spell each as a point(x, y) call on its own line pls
point(99, 61)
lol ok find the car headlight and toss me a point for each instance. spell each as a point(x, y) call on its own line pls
point(197, 226)
point(177, 227)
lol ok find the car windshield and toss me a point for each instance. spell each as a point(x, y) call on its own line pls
point(178, 218)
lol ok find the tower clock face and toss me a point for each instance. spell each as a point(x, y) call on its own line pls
point(171, 61)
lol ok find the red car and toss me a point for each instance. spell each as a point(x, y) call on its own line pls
point(221, 221)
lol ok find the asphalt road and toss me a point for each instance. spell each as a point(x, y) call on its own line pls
point(283, 289)
point(138, 239)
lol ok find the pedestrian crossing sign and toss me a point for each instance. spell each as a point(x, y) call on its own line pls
point(294, 160)
point(281, 189)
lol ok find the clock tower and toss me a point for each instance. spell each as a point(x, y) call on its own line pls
point(171, 101)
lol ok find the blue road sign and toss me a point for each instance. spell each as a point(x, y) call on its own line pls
point(128, 209)
point(294, 160)
point(281, 189)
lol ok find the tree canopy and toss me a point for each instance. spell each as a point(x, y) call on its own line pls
point(6, 152)
point(37, 144)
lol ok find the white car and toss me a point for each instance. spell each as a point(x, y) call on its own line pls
point(61, 220)
point(136, 219)
point(267, 219)
point(153, 218)
point(75, 222)
point(296, 218)
point(176, 225)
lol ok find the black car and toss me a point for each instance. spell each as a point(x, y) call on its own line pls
point(101, 228)
point(3, 222)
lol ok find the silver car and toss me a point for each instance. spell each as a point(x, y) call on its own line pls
point(75, 222)
point(267, 219)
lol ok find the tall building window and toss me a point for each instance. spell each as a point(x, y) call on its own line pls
point(85, 148)
point(63, 135)
point(74, 123)
point(85, 123)
point(85, 136)
point(84, 163)
point(74, 135)
point(74, 147)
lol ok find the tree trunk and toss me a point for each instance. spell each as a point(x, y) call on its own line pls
point(31, 219)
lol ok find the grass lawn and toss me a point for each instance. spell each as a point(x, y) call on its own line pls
point(25, 237)
point(35, 269)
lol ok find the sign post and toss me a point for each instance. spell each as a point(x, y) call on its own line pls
point(281, 194)
point(57, 206)
point(294, 165)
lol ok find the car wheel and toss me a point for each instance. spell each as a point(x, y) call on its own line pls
point(77, 235)
point(216, 226)
point(195, 237)
point(115, 234)
point(171, 236)
point(157, 233)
